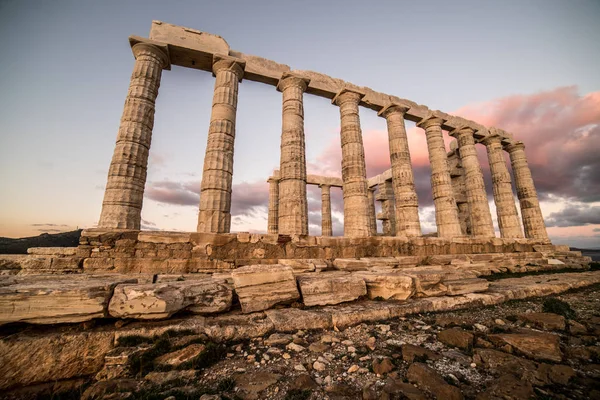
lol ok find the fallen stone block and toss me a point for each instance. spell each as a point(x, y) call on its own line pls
point(260, 287)
point(426, 378)
point(387, 285)
point(51, 357)
point(535, 345)
point(350, 264)
point(161, 300)
point(464, 286)
point(43, 299)
point(330, 288)
point(546, 321)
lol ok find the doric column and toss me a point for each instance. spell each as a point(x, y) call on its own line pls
point(215, 190)
point(372, 216)
point(326, 226)
point(388, 213)
point(273, 218)
point(354, 172)
point(479, 208)
point(407, 205)
point(124, 193)
point(533, 221)
point(293, 206)
point(508, 219)
point(446, 213)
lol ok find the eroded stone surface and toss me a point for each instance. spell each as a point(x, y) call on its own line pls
point(43, 299)
point(331, 288)
point(260, 287)
point(161, 300)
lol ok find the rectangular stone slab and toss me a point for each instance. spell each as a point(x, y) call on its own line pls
point(161, 300)
point(330, 288)
point(40, 299)
point(387, 285)
point(260, 287)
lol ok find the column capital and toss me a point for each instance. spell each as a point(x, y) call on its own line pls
point(225, 62)
point(393, 108)
point(430, 120)
point(346, 94)
point(160, 50)
point(461, 130)
point(514, 146)
point(324, 186)
point(291, 79)
point(272, 179)
point(490, 139)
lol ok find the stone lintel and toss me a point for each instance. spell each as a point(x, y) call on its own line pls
point(192, 48)
point(378, 179)
point(311, 179)
point(133, 40)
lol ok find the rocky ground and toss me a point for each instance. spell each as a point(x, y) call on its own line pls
point(545, 348)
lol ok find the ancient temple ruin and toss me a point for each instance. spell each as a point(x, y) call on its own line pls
point(232, 286)
point(461, 206)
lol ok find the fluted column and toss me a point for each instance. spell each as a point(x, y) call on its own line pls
point(354, 172)
point(326, 226)
point(293, 206)
point(372, 216)
point(446, 213)
point(508, 219)
point(386, 196)
point(124, 193)
point(406, 204)
point(533, 221)
point(215, 191)
point(273, 217)
point(479, 208)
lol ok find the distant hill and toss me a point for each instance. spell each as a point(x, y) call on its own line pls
point(20, 246)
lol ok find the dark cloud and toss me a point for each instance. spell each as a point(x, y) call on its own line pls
point(51, 225)
point(247, 198)
point(575, 215)
point(561, 132)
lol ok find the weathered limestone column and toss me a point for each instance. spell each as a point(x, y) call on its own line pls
point(293, 206)
point(386, 196)
point(508, 219)
point(215, 190)
point(407, 205)
point(533, 221)
point(326, 226)
point(273, 218)
point(354, 172)
point(458, 187)
point(124, 193)
point(446, 213)
point(372, 216)
point(479, 208)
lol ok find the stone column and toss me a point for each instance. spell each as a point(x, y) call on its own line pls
point(446, 213)
point(508, 219)
point(354, 172)
point(215, 190)
point(407, 206)
point(293, 205)
point(273, 206)
point(326, 226)
point(479, 208)
point(372, 216)
point(388, 217)
point(533, 221)
point(124, 193)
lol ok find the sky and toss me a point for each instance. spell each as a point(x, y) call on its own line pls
point(529, 67)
